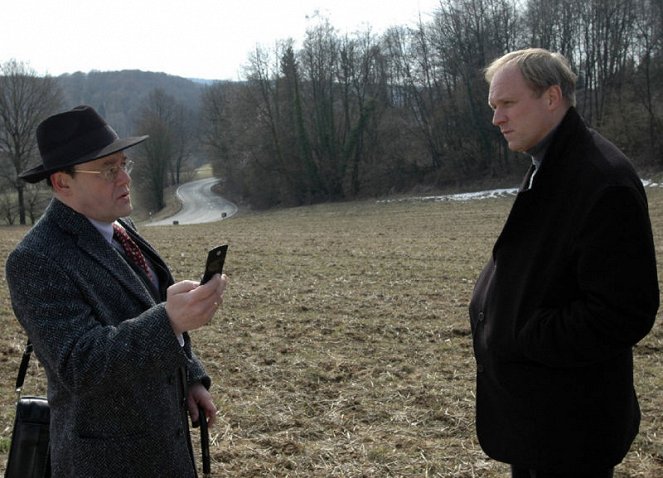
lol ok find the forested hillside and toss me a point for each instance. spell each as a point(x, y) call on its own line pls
point(119, 95)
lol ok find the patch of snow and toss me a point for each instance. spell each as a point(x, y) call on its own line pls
point(492, 193)
point(489, 194)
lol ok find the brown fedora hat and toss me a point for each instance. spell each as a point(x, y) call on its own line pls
point(74, 137)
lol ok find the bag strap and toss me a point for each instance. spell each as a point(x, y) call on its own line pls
point(23, 368)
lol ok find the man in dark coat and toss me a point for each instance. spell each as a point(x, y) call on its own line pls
point(109, 326)
point(570, 288)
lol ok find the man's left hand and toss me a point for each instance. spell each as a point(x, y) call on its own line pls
point(200, 396)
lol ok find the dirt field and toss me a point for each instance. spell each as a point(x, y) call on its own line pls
point(344, 348)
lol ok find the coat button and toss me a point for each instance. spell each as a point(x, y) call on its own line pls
point(481, 316)
point(480, 368)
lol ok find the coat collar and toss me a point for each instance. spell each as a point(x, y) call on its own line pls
point(92, 243)
point(556, 160)
point(556, 168)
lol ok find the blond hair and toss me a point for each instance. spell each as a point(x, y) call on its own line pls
point(541, 70)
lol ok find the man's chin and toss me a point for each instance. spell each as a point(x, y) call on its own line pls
point(127, 208)
point(516, 148)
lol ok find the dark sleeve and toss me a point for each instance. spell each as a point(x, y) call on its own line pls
point(197, 373)
point(616, 272)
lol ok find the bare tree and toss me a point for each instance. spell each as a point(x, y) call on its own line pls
point(607, 30)
point(647, 46)
point(362, 79)
point(25, 100)
point(267, 168)
point(160, 158)
point(464, 36)
point(274, 89)
point(303, 173)
point(227, 124)
point(320, 63)
point(553, 25)
point(217, 124)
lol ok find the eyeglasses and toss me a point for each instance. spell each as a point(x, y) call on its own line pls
point(111, 172)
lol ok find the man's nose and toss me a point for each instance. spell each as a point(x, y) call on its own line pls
point(123, 176)
point(498, 117)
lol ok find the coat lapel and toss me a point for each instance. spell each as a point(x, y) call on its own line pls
point(158, 264)
point(554, 169)
point(91, 242)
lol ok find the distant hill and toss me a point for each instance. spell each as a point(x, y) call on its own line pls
point(117, 95)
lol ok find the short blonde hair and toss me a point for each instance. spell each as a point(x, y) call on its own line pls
point(541, 70)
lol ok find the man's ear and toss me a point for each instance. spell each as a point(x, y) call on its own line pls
point(554, 96)
point(60, 182)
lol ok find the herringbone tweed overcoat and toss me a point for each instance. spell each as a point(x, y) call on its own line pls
point(115, 369)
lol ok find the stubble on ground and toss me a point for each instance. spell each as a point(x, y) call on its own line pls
point(343, 348)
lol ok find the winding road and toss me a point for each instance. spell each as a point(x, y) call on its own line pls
point(199, 204)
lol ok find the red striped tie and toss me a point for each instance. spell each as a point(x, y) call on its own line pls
point(130, 248)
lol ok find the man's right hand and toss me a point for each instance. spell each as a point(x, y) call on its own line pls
point(190, 305)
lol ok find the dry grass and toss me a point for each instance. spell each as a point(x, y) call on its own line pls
point(344, 348)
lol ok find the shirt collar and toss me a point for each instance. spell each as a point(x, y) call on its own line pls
point(105, 228)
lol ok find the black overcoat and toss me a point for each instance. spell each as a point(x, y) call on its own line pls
point(570, 287)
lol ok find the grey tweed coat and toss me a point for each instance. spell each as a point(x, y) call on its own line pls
point(115, 369)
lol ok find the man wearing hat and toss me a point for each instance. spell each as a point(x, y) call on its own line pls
point(106, 319)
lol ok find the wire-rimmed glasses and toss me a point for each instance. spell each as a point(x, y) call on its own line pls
point(110, 173)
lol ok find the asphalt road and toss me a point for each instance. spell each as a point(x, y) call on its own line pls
point(199, 205)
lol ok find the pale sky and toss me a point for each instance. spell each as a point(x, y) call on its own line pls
point(208, 39)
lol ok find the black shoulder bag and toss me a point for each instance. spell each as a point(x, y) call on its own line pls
point(29, 454)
